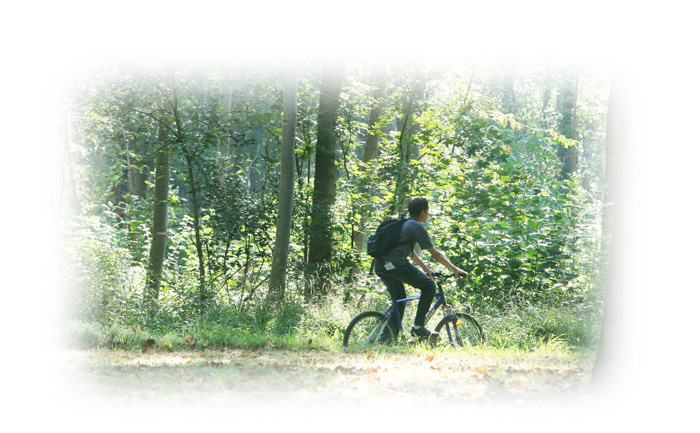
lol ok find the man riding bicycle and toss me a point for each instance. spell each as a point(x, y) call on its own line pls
point(395, 270)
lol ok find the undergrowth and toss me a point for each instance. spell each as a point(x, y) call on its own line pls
point(295, 325)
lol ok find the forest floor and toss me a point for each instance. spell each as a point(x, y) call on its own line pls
point(290, 379)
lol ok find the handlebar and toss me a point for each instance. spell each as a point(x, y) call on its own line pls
point(444, 276)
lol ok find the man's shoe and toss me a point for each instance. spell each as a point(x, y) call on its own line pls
point(423, 332)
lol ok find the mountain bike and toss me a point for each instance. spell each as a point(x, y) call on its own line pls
point(373, 328)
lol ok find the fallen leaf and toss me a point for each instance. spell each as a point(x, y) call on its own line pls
point(430, 357)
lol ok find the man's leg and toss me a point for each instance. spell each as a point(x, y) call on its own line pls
point(397, 291)
point(411, 275)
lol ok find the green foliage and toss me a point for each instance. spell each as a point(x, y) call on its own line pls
point(104, 281)
point(501, 210)
point(295, 324)
point(577, 325)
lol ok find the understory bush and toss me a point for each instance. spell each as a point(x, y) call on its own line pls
point(321, 326)
point(105, 310)
point(506, 205)
point(528, 326)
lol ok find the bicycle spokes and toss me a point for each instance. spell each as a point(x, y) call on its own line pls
point(462, 330)
point(369, 328)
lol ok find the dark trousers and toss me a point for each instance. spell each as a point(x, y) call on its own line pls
point(395, 279)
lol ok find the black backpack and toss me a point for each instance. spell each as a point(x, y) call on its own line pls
point(386, 237)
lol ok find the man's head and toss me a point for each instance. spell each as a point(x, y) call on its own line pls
point(419, 208)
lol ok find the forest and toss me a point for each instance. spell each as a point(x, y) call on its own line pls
point(230, 204)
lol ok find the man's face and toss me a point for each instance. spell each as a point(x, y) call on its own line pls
point(425, 213)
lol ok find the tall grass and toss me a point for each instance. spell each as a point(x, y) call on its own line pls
point(321, 326)
point(103, 308)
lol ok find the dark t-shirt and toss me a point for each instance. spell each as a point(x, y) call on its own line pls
point(413, 234)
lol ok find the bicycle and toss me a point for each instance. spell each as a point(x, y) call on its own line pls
point(372, 328)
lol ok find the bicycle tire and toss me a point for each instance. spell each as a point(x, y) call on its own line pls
point(464, 330)
point(366, 330)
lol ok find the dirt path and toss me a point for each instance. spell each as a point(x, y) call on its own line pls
point(309, 378)
point(290, 390)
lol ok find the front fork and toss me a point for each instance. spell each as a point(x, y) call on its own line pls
point(448, 310)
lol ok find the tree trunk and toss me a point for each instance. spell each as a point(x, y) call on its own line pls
point(508, 96)
point(321, 227)
point(194, 195)
point(567, 124)
point(130, 170)
point(369, 153)
point(406, 147)
point(280, 252)
point(159, 231)
point(224, 145)
point(140, 170)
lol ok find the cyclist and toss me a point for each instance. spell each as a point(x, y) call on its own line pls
point(395, 270)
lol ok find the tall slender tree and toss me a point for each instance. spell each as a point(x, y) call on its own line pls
point(159, 231)
point(325, 178)
point(566, 102)
point(406, 146)
point(190, 153)
point(224, 143)
point(280, 252)
point(369, 153)
point(508, 97)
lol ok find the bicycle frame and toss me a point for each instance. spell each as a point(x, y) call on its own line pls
point(374, 324)
point(439, 302)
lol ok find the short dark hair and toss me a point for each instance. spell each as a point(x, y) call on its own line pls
point(416, 206)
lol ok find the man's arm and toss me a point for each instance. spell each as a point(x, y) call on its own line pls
point(440, 258)
point(417, 260)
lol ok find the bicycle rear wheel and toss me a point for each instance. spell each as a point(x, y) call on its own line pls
point(368, 329)
point(460, 330)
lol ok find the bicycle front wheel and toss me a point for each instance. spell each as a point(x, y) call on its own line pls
point(368, 329)
point(460, 330)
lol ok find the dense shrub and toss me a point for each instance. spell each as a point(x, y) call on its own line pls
point(502, 209)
